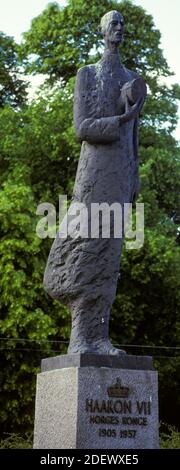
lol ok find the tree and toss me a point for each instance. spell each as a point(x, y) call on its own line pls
point(62, 38)
point(46, 124)
point(12, 88)
point(25, 311)
point(39, 154)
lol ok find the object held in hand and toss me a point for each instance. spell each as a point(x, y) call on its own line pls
point(132, 92)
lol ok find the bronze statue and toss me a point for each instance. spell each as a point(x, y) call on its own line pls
point(82, 272)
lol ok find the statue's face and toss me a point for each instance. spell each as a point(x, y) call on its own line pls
point(114, 28)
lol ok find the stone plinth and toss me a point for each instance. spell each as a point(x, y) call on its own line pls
point(96, 408)
point(126, 361)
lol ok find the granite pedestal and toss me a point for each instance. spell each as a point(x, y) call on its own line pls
point(96, 402)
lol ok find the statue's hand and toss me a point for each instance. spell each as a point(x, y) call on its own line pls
point(131, 112)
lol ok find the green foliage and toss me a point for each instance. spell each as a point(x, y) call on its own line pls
point(169, 437)
point(149, 284)
point(12, 88)
point(15, 441)
point(62, 39)
point(20, 269)
point(38, 159)
point(169, 373)
point(25, 310)
point(46, 124)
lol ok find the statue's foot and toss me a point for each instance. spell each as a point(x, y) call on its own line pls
point(81, 348)
point(103, 347)
point(106, 347)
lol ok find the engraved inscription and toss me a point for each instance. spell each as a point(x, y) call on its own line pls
point(109, 406)
point(121, 416)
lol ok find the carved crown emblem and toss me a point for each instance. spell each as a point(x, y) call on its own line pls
point(117, 390)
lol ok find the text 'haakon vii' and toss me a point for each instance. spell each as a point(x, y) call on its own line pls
point(118, 406)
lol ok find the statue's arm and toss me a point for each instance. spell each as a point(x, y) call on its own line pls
point(92, 129)
point(102, 130)
point(95, 129)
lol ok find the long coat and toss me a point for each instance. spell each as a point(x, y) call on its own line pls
point(107, 173)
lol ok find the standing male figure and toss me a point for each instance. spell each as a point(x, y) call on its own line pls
point(83, 272)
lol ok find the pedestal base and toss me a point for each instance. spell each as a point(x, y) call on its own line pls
point(96, 408)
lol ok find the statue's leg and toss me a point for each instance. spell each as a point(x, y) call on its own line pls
point(90, 328)
point(90, 308)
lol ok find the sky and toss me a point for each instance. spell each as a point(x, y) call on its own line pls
point(16, 16)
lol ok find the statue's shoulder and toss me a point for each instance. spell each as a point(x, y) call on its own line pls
point(86, 72)
point(132, 74)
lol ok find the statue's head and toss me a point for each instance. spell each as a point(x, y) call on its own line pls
point(112, 27)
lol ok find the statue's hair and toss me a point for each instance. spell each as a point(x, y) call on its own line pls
point(105, 19)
